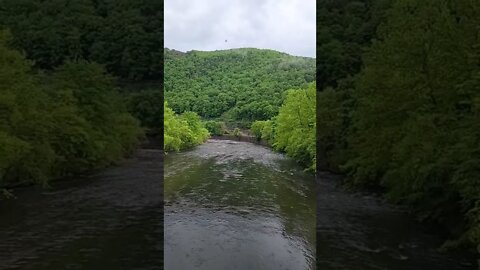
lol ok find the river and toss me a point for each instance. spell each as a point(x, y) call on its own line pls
point(237, 205)
point(228, 205)
point(112, 219)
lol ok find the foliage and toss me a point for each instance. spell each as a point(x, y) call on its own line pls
point(66, 122)
point(333, 118)
point(143, 105)
point(268, 130)
point(237, 84)
point(344, 31)
point(236, 132)
point(296, 125)
point(408, 122)
point(294, 129)
point(215, 127)
point(257, 128)
point(123, 35)
point(182, 131)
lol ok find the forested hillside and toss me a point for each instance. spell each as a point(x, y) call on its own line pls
point(344, 31)
point(52, 125)
point(269, 92)
point(63, 105)
point(235, 85)
point(406, 119)
point(124, 35)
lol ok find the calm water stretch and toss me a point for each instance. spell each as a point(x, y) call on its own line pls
point(237, 205)
point(109, 220)
point(229, 205)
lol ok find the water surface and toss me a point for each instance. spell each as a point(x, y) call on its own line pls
point(109, 220)
point(237, 205)
point(363, 232)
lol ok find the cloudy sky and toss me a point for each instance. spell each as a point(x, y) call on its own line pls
point(282, 25)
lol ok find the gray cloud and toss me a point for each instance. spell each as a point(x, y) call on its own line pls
point(282, 25)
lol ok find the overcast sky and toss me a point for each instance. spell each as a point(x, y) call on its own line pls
point(282, 25)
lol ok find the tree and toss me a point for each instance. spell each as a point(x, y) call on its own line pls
point(57, 124)
point(413, 131)
point(293, 130)
point(182, 131)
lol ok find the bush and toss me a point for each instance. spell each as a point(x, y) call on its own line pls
point(256, 129)
point(236, 132)
point(294, 129)
point(69, 121)
point(182, 131)
point(214, 127)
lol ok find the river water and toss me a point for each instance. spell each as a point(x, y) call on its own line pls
point(228, 205)
point(109, 220)
point(237, 205)
point(363, 232)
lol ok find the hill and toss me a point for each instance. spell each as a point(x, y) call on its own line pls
point(125, 36)
point(236, 85)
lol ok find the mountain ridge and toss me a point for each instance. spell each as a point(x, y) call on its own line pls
point(245, 84)
point(239, 49)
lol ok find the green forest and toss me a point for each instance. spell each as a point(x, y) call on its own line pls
point(238, 85)
point(269, 93)
point(78, 85)
point(293, 130)
point(398, 96)
point(122, 35)
point(399, 110)
point(182, 131)
point(52, 125)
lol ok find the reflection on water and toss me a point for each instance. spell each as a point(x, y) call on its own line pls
point(237, 205)
point(110, 220)
point(362, 232)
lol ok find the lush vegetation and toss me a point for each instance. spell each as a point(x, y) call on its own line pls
point(61, 111)
point(67, 121)
point(344, 31)
point(182, 131)
point(240, 85)
point(293, 130)
point(215, 127)
point(407, 122)
point(124, 35)
point(246, 88)
point(143, 103)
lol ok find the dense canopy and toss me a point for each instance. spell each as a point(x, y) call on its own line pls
point(124, 35)
point(69, 121)
point(237, 85)
point(293, 130)
point(406, 121)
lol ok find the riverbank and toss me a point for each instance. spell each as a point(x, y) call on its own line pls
point(241, 138)
point(111, 219)
point(358, 230)
point(152, 140)
point(446, 226)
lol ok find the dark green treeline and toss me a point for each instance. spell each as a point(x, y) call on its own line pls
point(182, 131)
point(52, 125)
point(293, 130)
point(72, 74)
point(237, 85)
point(124, 36)
point(405, 118)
